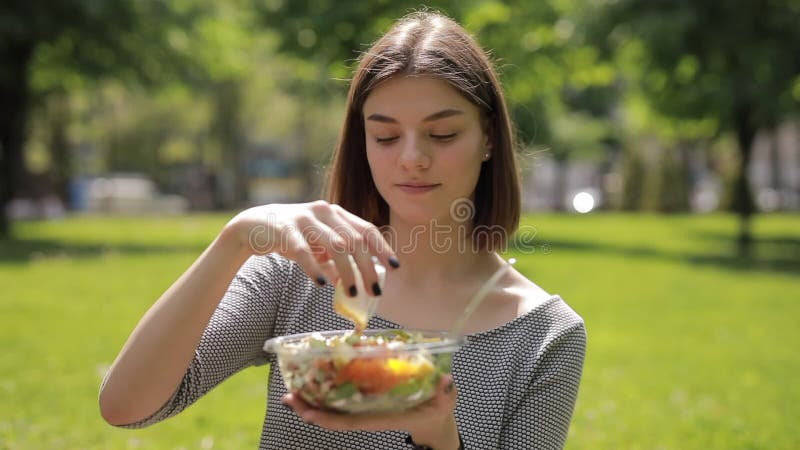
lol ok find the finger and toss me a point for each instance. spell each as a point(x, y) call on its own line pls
point(372, 236)
point(438, 407)
point(293, 401)
point(346, 422)
point(323, 237)
point(446, 393)
point(443, 401)
point(369, 276)
point(357, 235)
point(329, 270)
point(447, 386)
point(297, 249)
point(310, 414)
point(353, 243)
point(357, 247)
point(337, 421)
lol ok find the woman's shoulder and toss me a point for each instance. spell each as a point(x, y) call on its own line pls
point(537, 311)
point(529, 296)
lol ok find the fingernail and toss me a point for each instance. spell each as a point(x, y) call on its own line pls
point(353, 291)
point(321, 280)
point(394, 262)
point(449, 388)
point(376, 289)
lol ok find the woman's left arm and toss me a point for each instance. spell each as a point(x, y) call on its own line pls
point(543, 414)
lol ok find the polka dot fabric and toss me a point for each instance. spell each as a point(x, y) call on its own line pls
point(517, 384)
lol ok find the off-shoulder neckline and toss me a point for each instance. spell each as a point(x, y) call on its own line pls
point(553, 299)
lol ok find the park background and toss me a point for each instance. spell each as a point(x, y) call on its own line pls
point(660, 154)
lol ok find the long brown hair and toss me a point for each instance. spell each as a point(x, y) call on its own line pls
point(430, 44)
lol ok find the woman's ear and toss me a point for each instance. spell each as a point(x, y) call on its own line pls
point(488, 142)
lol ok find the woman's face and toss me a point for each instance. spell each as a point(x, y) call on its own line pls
point(425, 146)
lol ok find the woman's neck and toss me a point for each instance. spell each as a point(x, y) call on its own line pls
point(438, 251)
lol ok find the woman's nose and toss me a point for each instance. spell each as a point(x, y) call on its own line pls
point(413, 155)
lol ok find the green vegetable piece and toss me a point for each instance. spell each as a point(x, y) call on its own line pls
point(317, 343)
point(345, 390)
point(444, 362)
point(409, 387)
point(403, 335)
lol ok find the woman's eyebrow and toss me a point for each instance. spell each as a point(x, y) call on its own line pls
point(435, 116)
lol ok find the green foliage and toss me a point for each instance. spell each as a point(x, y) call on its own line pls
point(679, 357)
point(709, 59)
point(549, 71)
point(583, 77)
point(330, 32)
point(729, 65)
point(77, 41)
point(541, 55)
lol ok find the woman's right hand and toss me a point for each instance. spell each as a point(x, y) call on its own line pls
point(153, 361)
point(319, 236)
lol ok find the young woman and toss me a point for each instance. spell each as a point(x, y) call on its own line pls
point(423, 178)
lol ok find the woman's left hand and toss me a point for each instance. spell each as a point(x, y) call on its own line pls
point(431, 423)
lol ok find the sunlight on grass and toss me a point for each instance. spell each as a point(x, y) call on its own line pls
point(689, 346)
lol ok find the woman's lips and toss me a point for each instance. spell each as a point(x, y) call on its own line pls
point(417, 188)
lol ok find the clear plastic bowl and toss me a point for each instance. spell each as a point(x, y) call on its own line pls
point(383, 370)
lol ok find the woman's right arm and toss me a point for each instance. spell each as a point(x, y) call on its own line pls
point(154, 359)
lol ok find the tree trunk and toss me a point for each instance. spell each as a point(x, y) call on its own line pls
point(227, 129)
point(560, 183)
point(776, 182)
point(60, 158)
point(14, 61)
point(742, 197)
point(633, 180)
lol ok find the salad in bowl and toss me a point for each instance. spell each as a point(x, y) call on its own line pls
point(372, 371)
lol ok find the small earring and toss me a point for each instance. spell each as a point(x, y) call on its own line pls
point(486, 156)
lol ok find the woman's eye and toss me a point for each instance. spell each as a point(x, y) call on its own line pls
point(443, 137)
point(385, 140)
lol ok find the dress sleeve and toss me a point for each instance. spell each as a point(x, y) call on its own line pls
point(543, 413)
point(234, 337)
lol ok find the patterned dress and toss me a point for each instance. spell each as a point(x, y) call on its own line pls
point(517, 384)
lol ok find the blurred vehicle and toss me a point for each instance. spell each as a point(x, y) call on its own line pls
point(123, 193)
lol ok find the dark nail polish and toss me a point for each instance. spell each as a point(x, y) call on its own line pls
point(449, 388)
point(353, 291)
point(394, 262)
point(376, 289)
point(321, 280)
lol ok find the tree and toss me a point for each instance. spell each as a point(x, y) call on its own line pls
point(72, 41)
point(735, 64)
point(559, 90)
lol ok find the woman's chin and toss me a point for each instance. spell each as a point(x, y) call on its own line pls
point(423, 218)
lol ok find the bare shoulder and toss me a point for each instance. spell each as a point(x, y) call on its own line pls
point(528, 294)
point(514, 297)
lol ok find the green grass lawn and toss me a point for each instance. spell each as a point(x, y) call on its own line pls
point(689, 347)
